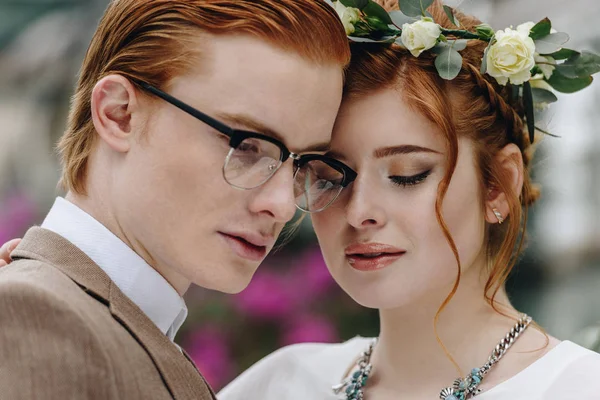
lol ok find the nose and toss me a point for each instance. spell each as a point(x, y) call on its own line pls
point(276, 196)
point(363, 209)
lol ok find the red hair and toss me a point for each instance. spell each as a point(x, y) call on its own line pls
point(472, 106)
point(155, 40)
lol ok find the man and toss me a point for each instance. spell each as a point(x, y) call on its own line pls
point(175, 163)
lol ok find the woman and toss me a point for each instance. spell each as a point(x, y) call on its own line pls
point(433, 218)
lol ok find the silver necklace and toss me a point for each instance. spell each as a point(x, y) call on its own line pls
point(462, 388)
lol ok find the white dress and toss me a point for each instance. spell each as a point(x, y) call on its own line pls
point(307, 372)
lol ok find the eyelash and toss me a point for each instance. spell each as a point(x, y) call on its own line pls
point(413, 180)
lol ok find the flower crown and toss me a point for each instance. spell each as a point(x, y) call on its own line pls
point(531, 57)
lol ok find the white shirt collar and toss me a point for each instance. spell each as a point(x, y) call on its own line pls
point(132, 275)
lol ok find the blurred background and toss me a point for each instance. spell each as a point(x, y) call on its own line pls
point(292, 298)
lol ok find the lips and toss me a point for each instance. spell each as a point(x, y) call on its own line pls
point(247, 245)
point(372, 256)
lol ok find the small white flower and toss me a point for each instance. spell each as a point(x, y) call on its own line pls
point(420, 36)
point(539, 83)
point(348, 15)
point(511, 57)
point(545, 63)
point(525, 27)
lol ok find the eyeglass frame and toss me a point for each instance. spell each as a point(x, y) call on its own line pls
point(237, 136)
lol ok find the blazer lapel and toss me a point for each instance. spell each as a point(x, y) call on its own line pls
point(182, 378)
point(180, 375)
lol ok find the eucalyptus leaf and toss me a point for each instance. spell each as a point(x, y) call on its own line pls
point(563, 54)
point(459, 44)
point(414, 8)
point(581, 65)
point(385, 39)
point(551, 43)
point(375, 10)
point(529, 110)
point(440, 47)
point(543, 96)
point(450, 13)
point(541, 29)
point(360, 4)
point(448, 63)
point(564, 84)
point(399, 18)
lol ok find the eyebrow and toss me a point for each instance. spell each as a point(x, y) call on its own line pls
point(403, 149)
point(250, 123)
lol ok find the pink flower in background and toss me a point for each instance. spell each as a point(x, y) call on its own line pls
point(313, 273)
point(309, 328)
point(17, 213)
point(269, 296)
point(209, 349)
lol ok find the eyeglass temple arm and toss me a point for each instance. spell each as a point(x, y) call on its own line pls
point(221, 127)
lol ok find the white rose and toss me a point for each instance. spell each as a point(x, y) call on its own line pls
point(511, 57)
point(525, 28)
point(348, 15)
point(420, 36)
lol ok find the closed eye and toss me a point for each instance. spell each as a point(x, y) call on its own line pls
point(410, 180)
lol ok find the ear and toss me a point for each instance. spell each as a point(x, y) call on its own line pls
point(114, 100)
point(510, 162)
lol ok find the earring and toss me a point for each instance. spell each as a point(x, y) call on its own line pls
point(498, 215)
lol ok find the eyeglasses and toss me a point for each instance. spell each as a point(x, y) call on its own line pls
point(254, 158)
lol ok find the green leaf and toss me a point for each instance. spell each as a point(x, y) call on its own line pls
point(515, 92)
point(399, 18)
point(450, 13)
point(541, 29)
point(414, 8)
point(448, 63)
point(543, 96)
point(567, 85)
point(459, 44)
point(360, 4)
point(484, 31)
point(529, 111)
point(375, 10)
point(385, 39)
point(563, 54)
point(551, 43)
point(581, 65)
point(376, 23)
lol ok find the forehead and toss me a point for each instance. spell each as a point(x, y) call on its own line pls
point(243, 75)
point(383, 118)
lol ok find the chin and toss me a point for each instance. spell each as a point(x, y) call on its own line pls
point(382, 292)
point(227, 278)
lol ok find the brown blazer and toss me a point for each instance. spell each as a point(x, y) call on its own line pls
point(68, 332)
